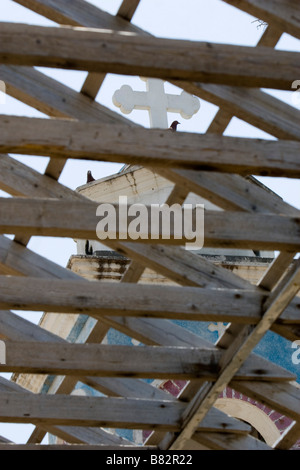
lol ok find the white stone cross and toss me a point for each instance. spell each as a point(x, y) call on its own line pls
point(156, 101)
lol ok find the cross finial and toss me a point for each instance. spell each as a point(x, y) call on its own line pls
point(156, 101)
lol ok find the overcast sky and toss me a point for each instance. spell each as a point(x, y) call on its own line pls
point(202, 20)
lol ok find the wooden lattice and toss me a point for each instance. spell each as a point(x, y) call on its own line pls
point(211, 165)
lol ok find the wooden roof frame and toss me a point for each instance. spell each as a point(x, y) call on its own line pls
point(250, 218)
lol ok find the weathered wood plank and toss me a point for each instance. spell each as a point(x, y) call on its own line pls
point(103, 299)
point(52, 97)
point(189, 303)
point(127, 9)
point(49, 217)
point(160, 148)
point(90, 411)
point(14, 259)
point(147, 56)
point(284, 15)
point(72, 434)
point(18, 179)
point(270, 36)
point(127, 361)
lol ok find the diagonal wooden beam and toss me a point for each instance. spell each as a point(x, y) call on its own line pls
point(127, 9)
point(54, 98)
point(251, 105)
point(280, 297)
point(283, 15)
point(80, 12)
point(18, 179)
point(66, 48)
point(182, 266)
point(16, 260)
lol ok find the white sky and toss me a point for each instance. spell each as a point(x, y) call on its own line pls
point(203, 20)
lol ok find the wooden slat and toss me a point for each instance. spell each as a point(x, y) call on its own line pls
point(162, 58)
point(18, 179)
point(72, 434)
point(284, 15)
point(46, 217)
point(53, 98)
point(90, 411)
point(270, 36)
point(160, 148)
point(14, 259)
point(127, 9)
point(188, 303)
point(127, 361)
